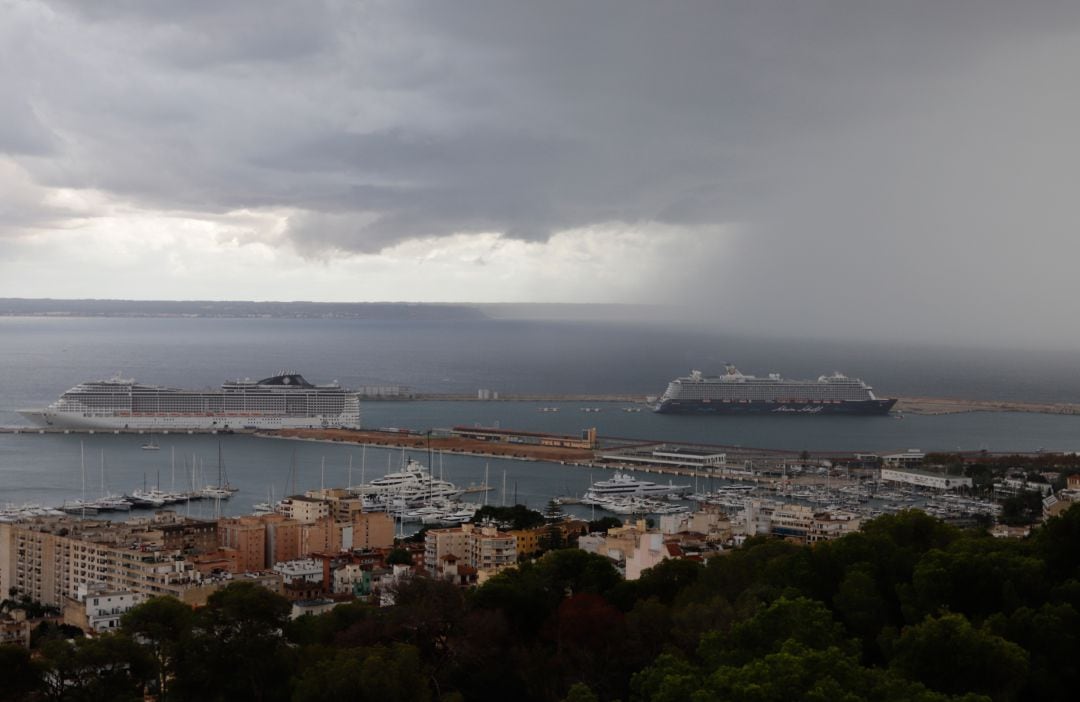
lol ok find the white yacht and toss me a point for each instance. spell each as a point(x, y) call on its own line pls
point(624, 485)
point(413, 484)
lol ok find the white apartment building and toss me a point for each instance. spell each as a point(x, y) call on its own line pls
point(483, 548)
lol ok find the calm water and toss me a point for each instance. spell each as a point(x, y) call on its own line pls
point(48, 469)
point(40, 358)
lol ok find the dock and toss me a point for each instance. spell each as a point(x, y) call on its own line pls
point(135, 432)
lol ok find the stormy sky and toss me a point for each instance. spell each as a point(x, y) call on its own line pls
point(854, 169)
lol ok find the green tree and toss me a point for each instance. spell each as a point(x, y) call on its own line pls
point(589, 636)
point(1025, 508)
point(804, 621)
point(669, 679)
point(1051, 636)
point(603, 524)
point(516, 517)
point(570, 571)
point(664, 581)
point(50, 631)
point(978, 576)
point(427, 612)
point(379, 674)
point(113, 668)
point(1058, 542)
point(799, 672)
point(237, 650)
point(162, 625)
point(553, 537)
point(861, 607)
point(949, 655)
point(580, 692)
point(22, 677)
point(322, 629)
point(399, 556)
point(110, 668)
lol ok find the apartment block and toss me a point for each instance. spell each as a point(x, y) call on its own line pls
point(484, 548)
point(304, 509)
point(246, 537)
point(49, 558)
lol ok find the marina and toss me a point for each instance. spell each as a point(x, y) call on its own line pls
point(398, 481)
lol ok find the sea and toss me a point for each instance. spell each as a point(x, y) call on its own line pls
point(41, 357)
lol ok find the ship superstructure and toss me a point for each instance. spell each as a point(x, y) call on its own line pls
point(736, 393)
point(282, 401)
point(413, 484)
point(624, 485)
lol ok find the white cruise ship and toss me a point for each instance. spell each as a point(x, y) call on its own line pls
point(283, 401)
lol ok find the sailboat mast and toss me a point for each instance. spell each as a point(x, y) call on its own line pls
point(82, 462)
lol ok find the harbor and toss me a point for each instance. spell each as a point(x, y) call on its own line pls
point(392, 471)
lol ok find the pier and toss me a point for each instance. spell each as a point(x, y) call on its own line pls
point(105, 432)
point(908, 405)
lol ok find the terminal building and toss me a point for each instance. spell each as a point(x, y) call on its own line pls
point(911, 457)
point(922, 478)
point(682, 456)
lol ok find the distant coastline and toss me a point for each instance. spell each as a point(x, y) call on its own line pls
point(904, 405)
point(255, 309)
point(948, 405)
point(20, 307)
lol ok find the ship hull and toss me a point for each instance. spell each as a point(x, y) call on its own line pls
point(845, 407)
point(180, 422)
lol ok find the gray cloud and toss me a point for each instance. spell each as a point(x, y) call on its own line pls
point(877, 157)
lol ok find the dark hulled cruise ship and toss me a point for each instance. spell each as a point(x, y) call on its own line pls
point(736, 393)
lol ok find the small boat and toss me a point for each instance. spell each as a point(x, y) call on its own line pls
point(151, 445)
point(79, 507)
point(223, 490)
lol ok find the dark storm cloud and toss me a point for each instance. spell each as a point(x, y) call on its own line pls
point(854, 145)
point(520, 118)
point(197, 34)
